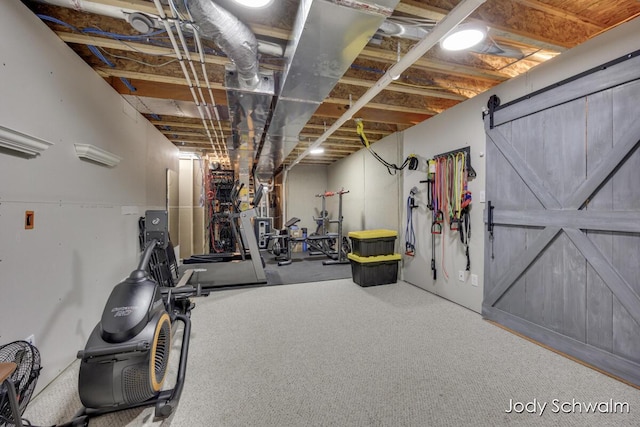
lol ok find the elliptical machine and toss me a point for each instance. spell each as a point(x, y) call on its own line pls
point(125, 361)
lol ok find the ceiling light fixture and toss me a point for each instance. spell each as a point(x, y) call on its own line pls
point(463, 37)
point(254, 3)
point(318, 150)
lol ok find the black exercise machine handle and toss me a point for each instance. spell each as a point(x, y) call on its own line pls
point(146, 255)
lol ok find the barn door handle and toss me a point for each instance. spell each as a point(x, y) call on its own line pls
point(490, 224)
point(490, 217)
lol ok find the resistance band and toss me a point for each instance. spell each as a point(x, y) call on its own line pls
point(451, 201)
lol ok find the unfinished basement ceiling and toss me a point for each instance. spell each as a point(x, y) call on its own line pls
point(279, 119)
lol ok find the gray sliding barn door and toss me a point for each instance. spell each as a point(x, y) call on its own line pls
point(563, 172)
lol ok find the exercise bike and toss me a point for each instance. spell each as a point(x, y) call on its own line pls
point(125, 361)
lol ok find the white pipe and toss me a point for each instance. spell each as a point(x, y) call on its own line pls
point(444, 27)
point(284, 195)
point(90, 7)
point(176, 48)
point(185, 48)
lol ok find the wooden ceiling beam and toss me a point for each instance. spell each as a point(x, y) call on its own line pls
point(175, 88)
point(368, 114)
point(553, 11)
point(315, 162)
point(337, 151)
point(207, 149)
point(158, 78)
point(143, 48)
point(190, 141)
point(368, 53)
point(402, 88)
point(347, 129)
point(159, 123)
point(189, 134)
point(332, 137)
point(165, 91)
point(384, 107)
point(449, 68)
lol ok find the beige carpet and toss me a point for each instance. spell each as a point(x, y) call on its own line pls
point(336, 354)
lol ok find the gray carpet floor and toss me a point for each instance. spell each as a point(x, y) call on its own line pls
point(336, 354)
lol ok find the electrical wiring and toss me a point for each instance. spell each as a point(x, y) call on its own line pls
point(153, 39)
point(95, 50)
point(57, 21)
point(101, 57)
point(116, 36)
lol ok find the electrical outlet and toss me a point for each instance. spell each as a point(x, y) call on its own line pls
point(474, 280)
point(31, 339)
point(461, 275)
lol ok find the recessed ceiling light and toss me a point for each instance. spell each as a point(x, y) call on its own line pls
point(318, 150)
point(464, 37)
point(254, 3)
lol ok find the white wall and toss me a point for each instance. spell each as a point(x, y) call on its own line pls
point(302, 184)
point(373, 193)
point(461, 126)
point(372, 201)
point(56, 278)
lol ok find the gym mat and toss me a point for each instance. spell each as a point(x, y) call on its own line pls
point(304, 269)
point(222, 274)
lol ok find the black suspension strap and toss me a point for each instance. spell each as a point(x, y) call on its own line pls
point(411, 161)
point(410, 235)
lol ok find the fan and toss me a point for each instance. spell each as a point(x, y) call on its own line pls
point(25, 377)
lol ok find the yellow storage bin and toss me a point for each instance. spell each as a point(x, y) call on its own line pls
point(373, 242)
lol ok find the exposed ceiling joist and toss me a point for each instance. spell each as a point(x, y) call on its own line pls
point(538, 29)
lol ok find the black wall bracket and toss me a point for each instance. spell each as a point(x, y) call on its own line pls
point(471, 173)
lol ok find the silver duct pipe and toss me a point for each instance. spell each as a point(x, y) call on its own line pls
point(327, 37)
point(444, 27)
point(234, 38)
